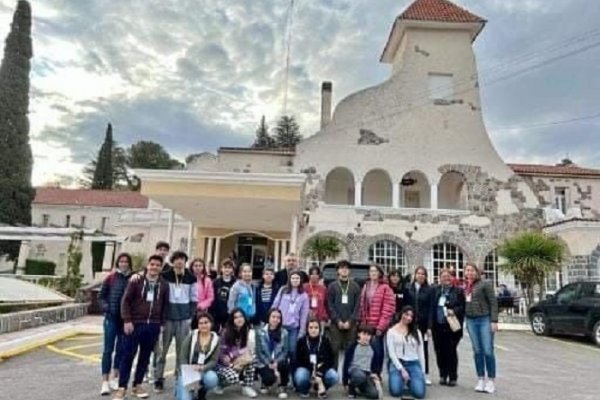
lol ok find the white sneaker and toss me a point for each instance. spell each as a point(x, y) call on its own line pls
point(105, 391)
point(218, 390)
point(282, 393)
point(480, 386)
point(249, 392)
point(114, 384)
point(428, 381)
point(490, 387)
point(264, 389)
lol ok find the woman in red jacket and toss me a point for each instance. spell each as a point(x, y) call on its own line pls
point(377, 304)
point(317, 295)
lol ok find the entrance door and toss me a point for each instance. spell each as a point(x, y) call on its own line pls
point(252, 249)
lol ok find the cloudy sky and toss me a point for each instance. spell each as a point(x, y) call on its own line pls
point(194, 75)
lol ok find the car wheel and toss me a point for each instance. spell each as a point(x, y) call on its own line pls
point(596, 333)
point(539, 324)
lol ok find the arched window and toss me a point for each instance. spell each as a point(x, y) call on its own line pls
point(444, 255)
point(414, 190)
point(388, 254)
point(339, 187)
point(452, 191)
point(377, 189)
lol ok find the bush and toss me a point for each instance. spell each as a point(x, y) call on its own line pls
point(39, 267)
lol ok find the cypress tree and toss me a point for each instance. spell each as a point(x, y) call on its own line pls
point(16, 161)
point(263, 139)
point(103, 174)
point(287, 132)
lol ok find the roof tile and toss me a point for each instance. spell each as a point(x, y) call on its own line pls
point(438, 10)
point(538, 169)
point(90, 198)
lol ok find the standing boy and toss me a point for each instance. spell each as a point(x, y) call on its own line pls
point(222, 286)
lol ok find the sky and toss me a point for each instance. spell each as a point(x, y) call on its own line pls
point(194, 75)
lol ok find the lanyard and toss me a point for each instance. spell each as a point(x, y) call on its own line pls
point(345, 291)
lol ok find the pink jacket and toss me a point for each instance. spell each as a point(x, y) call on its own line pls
point(206, 294)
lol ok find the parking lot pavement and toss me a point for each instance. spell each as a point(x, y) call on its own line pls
point(529, 368)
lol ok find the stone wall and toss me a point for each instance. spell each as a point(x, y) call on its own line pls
point(44, 316)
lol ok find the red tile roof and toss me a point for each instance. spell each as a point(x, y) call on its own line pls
point(90, 198)
point(554, 170)
point(438, 10)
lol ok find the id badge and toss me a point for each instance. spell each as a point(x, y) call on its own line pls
point(442, 301)
point(314, 301)
point(313, 359)
point(201, 358)
point(178, 292)
point(150, 296)
point(400, 295)
point(344, 299)
point(469, 297)
point(292, 307)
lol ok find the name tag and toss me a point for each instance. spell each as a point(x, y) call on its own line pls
point(442, 301)
point(400, 295)
point(292, 307)
point(178, 292)
point(469, 297)
point(344, 299)
point(201, 358)
point(150, 296)
point(314, 301)
point(313, 359)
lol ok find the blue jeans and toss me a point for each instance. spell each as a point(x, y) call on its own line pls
point(302, 379)
point(292, 338)
point(210, 380)
point(482, 339)
point(416, 382)
point(144, 337)
point(113, 338)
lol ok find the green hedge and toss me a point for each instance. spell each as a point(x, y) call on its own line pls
point(39, 267)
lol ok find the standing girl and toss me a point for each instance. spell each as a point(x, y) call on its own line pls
point(242, 293)
point(317, 295)
point(206, 293)
point(482, 323)
point(272, 354)
point(397, 286)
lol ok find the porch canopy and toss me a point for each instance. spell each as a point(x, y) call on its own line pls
point(227, 200)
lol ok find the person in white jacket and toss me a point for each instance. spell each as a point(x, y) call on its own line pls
point(407, 359)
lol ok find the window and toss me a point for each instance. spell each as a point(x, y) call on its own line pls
point(441, 87)
point(68, 221)
point(103, 224)
point(560, 199)
point(590, 290)
point(444, 254)
point(388, 254)
point(45, 219)
point(567, 294)
point(82, 221)
point(490, 267)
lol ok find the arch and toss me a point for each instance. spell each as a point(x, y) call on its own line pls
point(445, 253)
point(377, 189)
point(389, 251)
point(339, 186)
point(248, 232)
point(415, 190)
point(452, 191)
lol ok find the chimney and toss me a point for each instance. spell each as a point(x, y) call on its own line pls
point(326, 89)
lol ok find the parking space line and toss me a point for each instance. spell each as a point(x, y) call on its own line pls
point(82, 337)
point(499, 347)
point(72, 354)
point(83, 346)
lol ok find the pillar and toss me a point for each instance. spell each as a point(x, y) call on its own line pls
point(434, 197)
point(23, 255)
point(357, 193)
point(217, 258)
point(276, 255)
point(294, 235)
point(396, 195)
point(209, 251)
point(190, 237)
point(109, 252)
point(170, 223)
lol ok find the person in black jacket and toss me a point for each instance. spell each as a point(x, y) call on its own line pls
point(448, 300)
point(314, 361)
point(264, 296)
point(397, 284)
point(291, 264)
point(222, 286)
point(419, 295)
point(363, 363)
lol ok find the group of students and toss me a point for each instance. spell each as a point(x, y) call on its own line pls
point(289, 330)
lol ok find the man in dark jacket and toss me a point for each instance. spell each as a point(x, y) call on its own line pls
point(291, 264)
point(144, 310)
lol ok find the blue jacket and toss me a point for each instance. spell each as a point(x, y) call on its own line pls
point(111, 293)
point(376, 362)
point(266, 351)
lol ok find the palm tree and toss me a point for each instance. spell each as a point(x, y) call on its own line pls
point(321, 248)
point(530, 257)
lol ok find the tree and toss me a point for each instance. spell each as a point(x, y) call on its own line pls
point(263, 139)
point(321, 248)
point(150, 155)
point(287, 132)
point(104, 171)
point(16, 161)
point(530, 257)
point(71, 283)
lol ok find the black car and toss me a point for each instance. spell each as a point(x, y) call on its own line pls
point(573, 310)
point(359, 271)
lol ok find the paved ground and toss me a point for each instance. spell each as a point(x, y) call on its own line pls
point(530, 368)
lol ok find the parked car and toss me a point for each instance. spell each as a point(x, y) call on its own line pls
point(573, 310)
point(359, 271)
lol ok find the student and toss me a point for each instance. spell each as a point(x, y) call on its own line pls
point(111, 294)
point(222, 287)
point(397, 285)
point(317, 295)
point(213, 271)
point(314, 361)
point(482, 323)
point(342, 305)
point(293, 303)
point(272, 354)
point(144, 310)
point(162, 249)
point(407, 359)
point(291, 264)
point(264, 296)
point(201, 349)
point(206, 292)
point(419, 295)
point(242, 293)
point(448, 300)
point(363, 363)
point(236, 360)
point(183, 301)
point(377, 305)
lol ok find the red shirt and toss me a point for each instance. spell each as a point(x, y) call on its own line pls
point(317, 299)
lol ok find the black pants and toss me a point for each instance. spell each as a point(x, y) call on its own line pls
point(268, 378)
point(425, 349)
point(445, 343)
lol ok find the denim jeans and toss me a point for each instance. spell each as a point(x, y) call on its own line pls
point(482, 340)
point(113, 338)
point(361, 381)
point(210, 380)
point(292, 337)
point(302, 379)
point(144, 337)
point(416, 382)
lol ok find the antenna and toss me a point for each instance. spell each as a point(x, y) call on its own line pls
point(290, 28)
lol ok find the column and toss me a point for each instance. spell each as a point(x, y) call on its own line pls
point(217, 251)
point(190, 237)
point(294, 236)
point(357, 193)
point(209, 251)
point(23, 255)
point(109, 252)
point(434, 197)
point(170, 223)
point(396, 195)
point(276, 255)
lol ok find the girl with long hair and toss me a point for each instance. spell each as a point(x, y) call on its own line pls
point(396, 283)
point(317, 295)
point(206, 292)
point(242, 293)
point(272, 354)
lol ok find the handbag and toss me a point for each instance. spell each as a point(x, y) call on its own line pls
point(453, 322)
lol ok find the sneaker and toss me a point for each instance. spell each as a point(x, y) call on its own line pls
point(218, 390)
point(264, 389)
point(451, 383)
point(351, 392)
point(139, 392)
point(119, 394)
point(159, 385)
point(480, 386)
point(249, 392)
point(114, 384)
point(304, 395)
point(427, 381)
point(443, 381)
point(490, 387)
point(322, 395)
point(282, 394)
point(105, 390)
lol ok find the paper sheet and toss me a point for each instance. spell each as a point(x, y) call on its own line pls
point(189, 376)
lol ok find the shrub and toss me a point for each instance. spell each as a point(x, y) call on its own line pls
point(39, 267)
